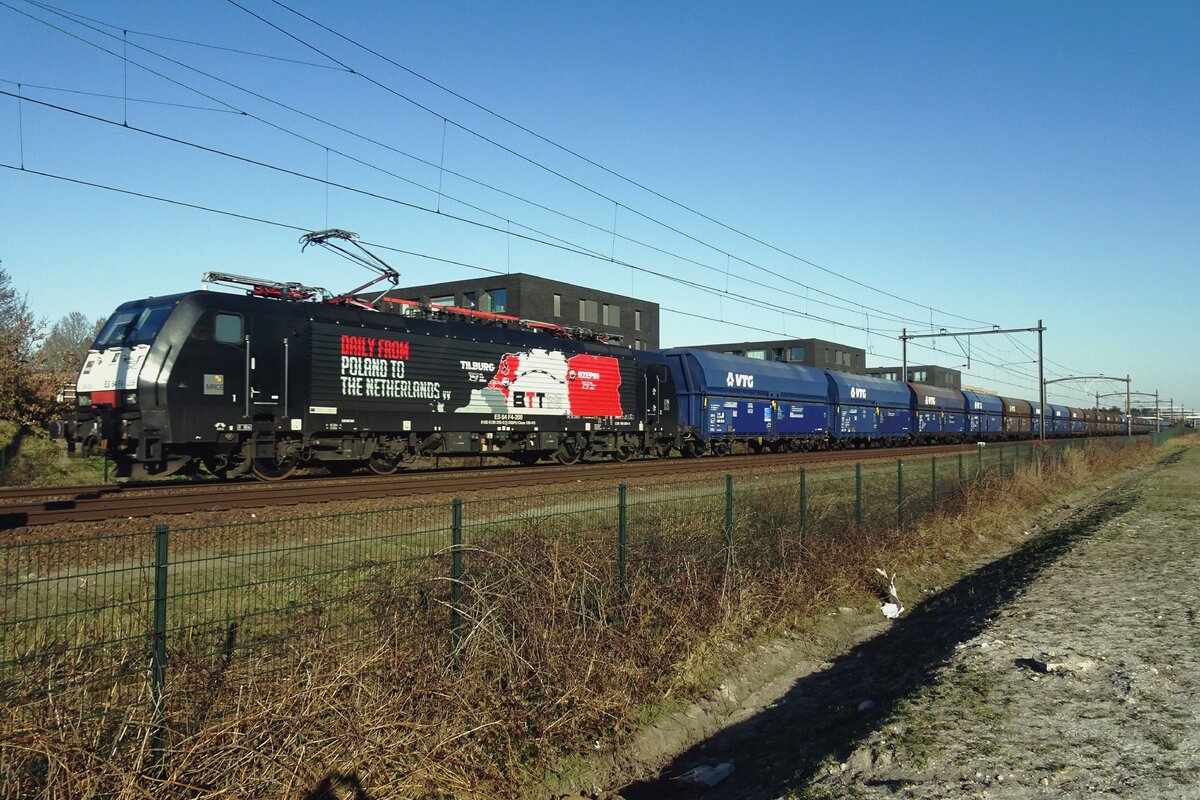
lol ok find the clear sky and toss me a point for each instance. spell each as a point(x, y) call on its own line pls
point(858, 168)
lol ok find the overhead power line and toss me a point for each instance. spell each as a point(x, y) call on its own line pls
point(568, 246)
point(570, 152)
point(854, 306)
point(390, 248)
point(206, 45)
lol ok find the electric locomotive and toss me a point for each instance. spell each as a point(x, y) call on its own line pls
point(267, 383)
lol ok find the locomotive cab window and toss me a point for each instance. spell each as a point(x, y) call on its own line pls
point(133, 326)
point(228, 328)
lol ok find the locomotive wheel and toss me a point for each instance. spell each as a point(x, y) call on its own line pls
point(268, 469)
point(622, 454)
point(382, 465)
point(225, 467)
point(567, 453)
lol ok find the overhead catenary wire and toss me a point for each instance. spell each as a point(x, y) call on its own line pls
point(754, 302)
point(556, 173)
point(616, 205)
point(207, 45)
point(390, 248)
point(104, 96)
point(342, 129)
point(573, 153)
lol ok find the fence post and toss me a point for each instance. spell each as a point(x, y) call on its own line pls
point(622, 540)
point(858, 495)
point(158, 658)
point(933, 483)
point(960, 468)
point(728, 522)
point(456, 508)
point(1001, 461)
point(803, 508)
point(979, 471)
point(899, 494)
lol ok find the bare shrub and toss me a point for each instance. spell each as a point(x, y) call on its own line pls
point(359, 680)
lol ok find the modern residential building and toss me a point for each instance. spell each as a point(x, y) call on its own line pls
point(810, 352)
point(543, 300)
point(930, 374)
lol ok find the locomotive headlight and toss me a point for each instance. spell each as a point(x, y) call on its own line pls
point(84, 400)
point(131, 399)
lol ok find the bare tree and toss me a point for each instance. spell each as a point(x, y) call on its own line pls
point(28, 390)
point(67, 343)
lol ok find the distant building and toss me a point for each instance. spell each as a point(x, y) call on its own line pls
point(810, 352)
point(543, 300)
point(930, 374)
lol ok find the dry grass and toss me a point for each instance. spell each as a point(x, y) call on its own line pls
point(553, 659)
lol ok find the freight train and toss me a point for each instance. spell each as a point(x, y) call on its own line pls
point(277, 380)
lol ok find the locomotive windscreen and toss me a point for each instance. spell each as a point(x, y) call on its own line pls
point(137, 324)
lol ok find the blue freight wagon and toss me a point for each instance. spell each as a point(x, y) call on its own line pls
point(1058, 420)
point(939, 414)
point(985, 415)
point(867, 409)
point(766, 404)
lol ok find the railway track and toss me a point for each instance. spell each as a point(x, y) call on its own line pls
point(26, 507)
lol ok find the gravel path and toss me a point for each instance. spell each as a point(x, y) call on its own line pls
point(1067, 669)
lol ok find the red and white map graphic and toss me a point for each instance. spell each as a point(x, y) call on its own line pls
point(547, 382)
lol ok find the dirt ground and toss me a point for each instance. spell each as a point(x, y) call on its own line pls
point(1065, 669)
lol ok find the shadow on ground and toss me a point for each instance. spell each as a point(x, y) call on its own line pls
point(818, 720)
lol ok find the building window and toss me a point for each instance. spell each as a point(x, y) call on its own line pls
point(469, 300)
point(444, 300)
point(796, 354)
point(759, 354)
point(638, 345)
point(637, 320)
point(589, 311)
point(828, 360)
point(777, 354)
point(612, 316)
point(499, 300)
point(558, 305)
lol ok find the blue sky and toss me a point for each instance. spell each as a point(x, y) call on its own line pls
point(976, 164)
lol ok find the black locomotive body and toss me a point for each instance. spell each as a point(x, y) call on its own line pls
point(241, 384)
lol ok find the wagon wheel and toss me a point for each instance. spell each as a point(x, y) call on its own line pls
point(688, 449)
point(567, 453)
point(382, 464)
point(270, 469)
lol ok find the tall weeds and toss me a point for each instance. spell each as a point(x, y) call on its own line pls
point(554, 657)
